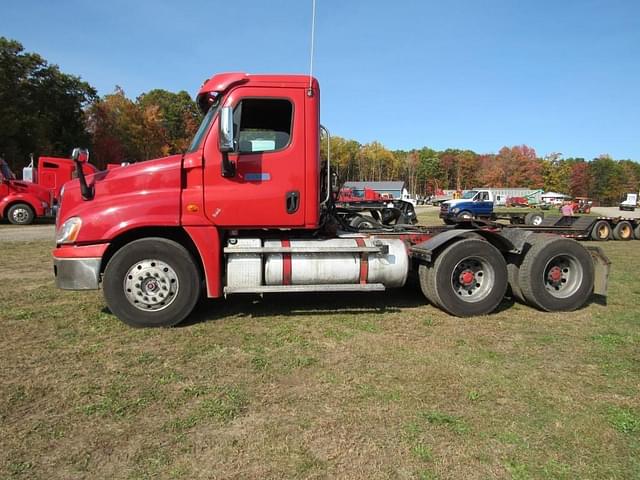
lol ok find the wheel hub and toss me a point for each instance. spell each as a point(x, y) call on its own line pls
point(472, 279)
point(555, 274)
point(467, 277)
point(20, 215)
point(563, 276)
point(151, 285)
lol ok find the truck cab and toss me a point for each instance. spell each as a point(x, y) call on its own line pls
point(629, 204)
point(250, 208)
point(475, 203)
point(37, 194)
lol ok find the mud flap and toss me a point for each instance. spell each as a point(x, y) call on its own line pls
point(601, 265)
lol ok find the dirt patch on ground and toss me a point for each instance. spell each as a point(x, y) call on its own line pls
point(26, 233)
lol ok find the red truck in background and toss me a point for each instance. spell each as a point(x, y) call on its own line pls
point(368, 194)
point(37, 194)
point(251, 208)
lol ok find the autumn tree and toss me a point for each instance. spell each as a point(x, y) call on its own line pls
point(178, 114)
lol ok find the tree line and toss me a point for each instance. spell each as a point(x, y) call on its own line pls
point(47, 112)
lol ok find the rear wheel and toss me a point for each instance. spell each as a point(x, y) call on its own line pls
point(20, 214)
point(152, 282)
point(533, 218)
point(469, 277)
point(601, 231)
point(636, 232)
point(623, 231)
point(556, 275)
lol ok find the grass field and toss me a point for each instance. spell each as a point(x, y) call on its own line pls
point(312, 386)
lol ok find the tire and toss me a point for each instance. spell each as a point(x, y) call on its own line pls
point(513, 271)
point(636, 232)
point(556, 275)
point(601, 231)
point(448, 221)
point(623, 231)
point(166, 268)
point(360, 222)
point(514, 262)
point(20, 214)
point(533, 218)
point(427, 284)
point(485, 278)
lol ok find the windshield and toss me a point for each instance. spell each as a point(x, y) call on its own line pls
point(203, 129)
point(469, 195)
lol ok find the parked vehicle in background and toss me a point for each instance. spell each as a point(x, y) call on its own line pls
point(517, 202)
point(478, 204)
point(582, 205)
point(630, 203)
point(37, 194)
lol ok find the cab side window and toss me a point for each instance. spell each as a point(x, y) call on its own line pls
point(263, 125)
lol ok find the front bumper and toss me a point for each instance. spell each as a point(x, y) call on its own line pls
point(77, 273)
point(78, 268)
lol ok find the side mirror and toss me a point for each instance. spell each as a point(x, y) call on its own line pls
point(227, 140)
point(80, 155)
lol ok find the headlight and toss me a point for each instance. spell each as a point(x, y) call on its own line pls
point(455, 210)
point(69, 231)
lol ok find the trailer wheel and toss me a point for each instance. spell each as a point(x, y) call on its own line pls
point(533, 218)
point(636, 232)
point(601, 231)
point(623, 231)
point(20, 214)
point(556, 275)
point(469, 277)
point(152, 282)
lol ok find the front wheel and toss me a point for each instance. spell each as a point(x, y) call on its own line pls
point(20, 214)
point(469, 277)
point(152, 282)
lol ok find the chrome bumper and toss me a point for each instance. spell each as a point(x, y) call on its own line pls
point(77, 273)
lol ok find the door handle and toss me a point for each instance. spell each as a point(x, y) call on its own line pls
point(292, 200)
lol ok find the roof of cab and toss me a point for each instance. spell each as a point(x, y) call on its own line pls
point(223, 81)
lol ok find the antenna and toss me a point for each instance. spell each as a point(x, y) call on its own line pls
point(313, 33)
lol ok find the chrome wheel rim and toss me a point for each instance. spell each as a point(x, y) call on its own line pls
point(151, 285)
point(563, 276)
point(537, 220)
point(20, 215)
point(473, 279)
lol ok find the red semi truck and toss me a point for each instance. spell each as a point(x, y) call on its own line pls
point(250, 208)
point(36, 195)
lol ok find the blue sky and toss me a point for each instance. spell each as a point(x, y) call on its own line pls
point(560, 76)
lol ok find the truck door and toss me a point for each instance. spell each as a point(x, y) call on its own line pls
point(268, 189)
point(483, 204)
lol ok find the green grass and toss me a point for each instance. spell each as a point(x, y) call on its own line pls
point(317, 386)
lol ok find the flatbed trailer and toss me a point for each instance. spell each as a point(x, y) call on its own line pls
point(587, 227)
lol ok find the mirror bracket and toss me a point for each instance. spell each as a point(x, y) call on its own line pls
point(228, 167)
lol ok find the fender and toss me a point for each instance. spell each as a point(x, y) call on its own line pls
point(428, 249)
point(34, 202)
point(207, 241)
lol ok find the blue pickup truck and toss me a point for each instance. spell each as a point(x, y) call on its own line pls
point(478, 204)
